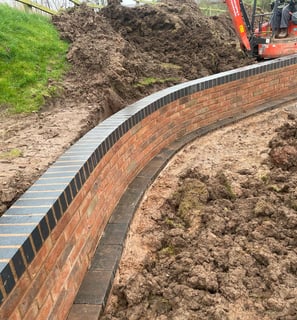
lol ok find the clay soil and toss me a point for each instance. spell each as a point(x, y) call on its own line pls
point(117, 56)
point(215, 236)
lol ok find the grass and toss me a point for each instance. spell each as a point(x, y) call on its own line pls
point(170, 66)
point(13, 153)
point(31, 54)
point(151, 81)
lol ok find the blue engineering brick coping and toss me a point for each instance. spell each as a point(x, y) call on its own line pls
point(29, 221)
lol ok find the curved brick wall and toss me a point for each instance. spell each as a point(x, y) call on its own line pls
point(48, 237)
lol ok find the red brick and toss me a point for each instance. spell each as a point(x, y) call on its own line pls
point(12, 301)
point(46, 308)
point(55, 279)
point(88, 249)
point(62, 306)
point(55, 253)
point(32, 312)
point(55, 312)
point(67, 295)
point(62, 259)
point(85, 204)
point(38, 261)
point(15, 316)
point(75, 277)
point(61, 225)
point(43, 293)
point(32, 292)
point(71, 226)
point(84, 261)
point(59, 281)
point(76, 202)
point(79, 243)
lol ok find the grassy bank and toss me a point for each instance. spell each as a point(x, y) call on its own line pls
point(31, 54)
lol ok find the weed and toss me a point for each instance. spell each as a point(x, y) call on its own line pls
point(167, 251)
point(13, 153)
point(170, 66)
point(151, 81)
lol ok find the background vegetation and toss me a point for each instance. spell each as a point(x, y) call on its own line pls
point(215, 7)
point(31, 57)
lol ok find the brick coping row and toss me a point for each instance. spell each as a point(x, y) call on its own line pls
point(30, 222)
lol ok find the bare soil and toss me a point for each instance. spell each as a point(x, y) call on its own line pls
point(215, 236)
point(117, 56)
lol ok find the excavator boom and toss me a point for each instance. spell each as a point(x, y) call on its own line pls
point(235, 12)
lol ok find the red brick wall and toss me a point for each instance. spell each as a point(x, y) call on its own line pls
point(48, 287)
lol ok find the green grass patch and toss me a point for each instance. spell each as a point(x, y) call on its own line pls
point(13, 153)
point(170, 66)
point(151, 81)
point(31, 54)
point(167, 251)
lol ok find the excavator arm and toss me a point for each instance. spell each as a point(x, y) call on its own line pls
point(260, 42)
point(238, 23)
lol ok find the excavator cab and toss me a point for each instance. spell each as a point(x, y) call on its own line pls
point(256, 35)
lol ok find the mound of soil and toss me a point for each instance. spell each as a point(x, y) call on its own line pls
point(222, 246)
point(124, 53)
point(117, 56)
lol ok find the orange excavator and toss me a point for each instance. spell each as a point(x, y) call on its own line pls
point(257, 36)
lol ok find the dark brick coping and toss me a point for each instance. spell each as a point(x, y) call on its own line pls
point(27, 224)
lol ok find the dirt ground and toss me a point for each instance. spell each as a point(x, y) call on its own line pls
point(215, 236)
point(117, 56)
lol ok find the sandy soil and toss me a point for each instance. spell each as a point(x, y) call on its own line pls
point(215, 236)
point(117, 56)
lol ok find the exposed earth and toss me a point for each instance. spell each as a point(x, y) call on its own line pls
point(117, 56)
point(215, 237)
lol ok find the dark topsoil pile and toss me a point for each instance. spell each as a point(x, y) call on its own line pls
point(117, 56)
point(218, 255)
point(121, 54)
